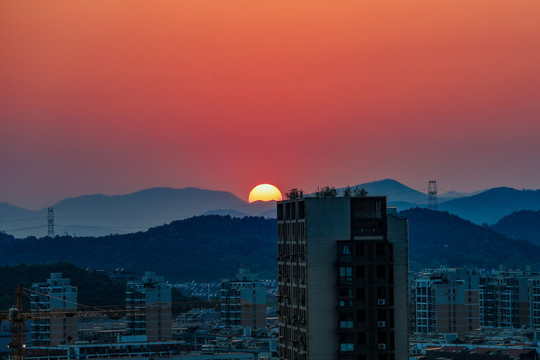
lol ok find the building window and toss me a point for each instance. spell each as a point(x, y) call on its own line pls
point(361, 338)
point(360, 293)
point(346, 320)
point(345, 275)
point(379, 248)
point(381, 271)
point(361, 316)
point(360, 271)
point(346, 342)
point(359, 249)
point(344, 253)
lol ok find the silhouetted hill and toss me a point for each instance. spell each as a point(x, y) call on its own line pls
point(456, 194)
point(225, 212)
point(395, 191)
point(523, 225)
point(212, 247)
point(98, 215)
point(491, 205)
point(439, 238)
point(203, 247)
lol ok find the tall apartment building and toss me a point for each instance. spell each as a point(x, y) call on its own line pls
point(243, 300)
point(534, 302)
point(342, 279)
point(504, 299)
point(445, 301)
point(55, 295)
point(154, 297)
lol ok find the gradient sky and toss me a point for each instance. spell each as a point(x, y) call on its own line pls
point(112, 97)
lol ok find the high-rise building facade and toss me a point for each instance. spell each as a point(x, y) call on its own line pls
point(153, 297)
point(445, 300)
point(243, 300)
point(534, 302)
point(342, 279)
point(55, 295)
point(504, 299)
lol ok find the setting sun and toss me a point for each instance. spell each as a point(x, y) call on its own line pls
point(265, 192)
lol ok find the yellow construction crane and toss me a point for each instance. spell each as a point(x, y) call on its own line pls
point(17, 317)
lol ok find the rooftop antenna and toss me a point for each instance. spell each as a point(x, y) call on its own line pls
point(432, 192)
point(50, 222)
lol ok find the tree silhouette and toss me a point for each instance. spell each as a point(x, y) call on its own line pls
point(295, 193)
point(326, 192)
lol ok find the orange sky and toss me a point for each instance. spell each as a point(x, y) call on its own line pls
point(114, 96)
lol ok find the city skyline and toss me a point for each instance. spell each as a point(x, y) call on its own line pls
point(101, 97)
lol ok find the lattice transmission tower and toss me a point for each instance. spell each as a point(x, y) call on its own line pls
point(432, 192)
point(50, 222)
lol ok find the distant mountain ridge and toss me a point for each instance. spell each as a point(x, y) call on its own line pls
point(395, 191)
point(97, 215)
point(491, 205)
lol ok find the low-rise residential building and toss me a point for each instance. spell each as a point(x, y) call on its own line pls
point(243, 300)
point(504, 299)
point(154, 297)
point(54, 295)
point(445, 300)
point(534, 301)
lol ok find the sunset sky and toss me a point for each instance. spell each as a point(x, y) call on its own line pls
point(115, 96)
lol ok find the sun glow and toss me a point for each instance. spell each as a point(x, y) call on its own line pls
point(265, 192)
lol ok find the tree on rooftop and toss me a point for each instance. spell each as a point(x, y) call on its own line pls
point(326, 192)
point(295, 194)
point(360, 192)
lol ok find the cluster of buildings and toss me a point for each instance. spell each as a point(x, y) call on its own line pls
point(343, 293)
point(151, 295)
point(447, 300)
point(238, 329)
point(211, 290)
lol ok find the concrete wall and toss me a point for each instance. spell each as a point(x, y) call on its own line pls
point(398, 235)
point(327, 220)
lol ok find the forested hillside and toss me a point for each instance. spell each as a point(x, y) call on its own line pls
point(202, 248)
point(523, 225)
point(213, 247)
point(439, 238)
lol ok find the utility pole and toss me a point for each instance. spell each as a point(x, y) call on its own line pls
point(432, 192)
point(50, 222)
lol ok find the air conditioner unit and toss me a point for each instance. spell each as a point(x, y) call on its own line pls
point(381, 301)
point(381, 346)
point(381, 323)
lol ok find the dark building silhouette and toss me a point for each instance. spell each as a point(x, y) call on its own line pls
point(342, 273)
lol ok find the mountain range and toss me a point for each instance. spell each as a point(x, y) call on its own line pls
point(212, 247)
point(98, 215)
